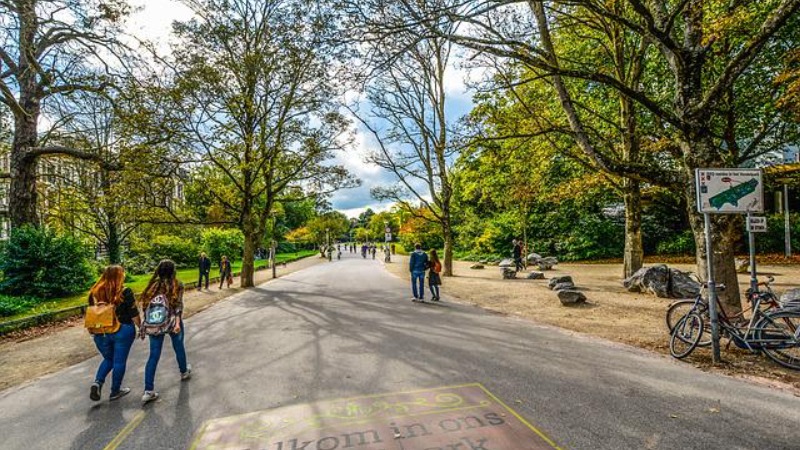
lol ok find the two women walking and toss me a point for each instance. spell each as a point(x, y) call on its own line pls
point(113, 316)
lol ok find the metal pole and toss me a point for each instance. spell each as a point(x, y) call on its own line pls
point(712, 291)
point(751, 237)
point(786, 226)
point(272, 251)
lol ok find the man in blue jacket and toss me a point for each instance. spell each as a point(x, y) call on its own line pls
point(418, 263)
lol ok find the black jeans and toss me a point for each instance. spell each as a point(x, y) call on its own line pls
point(200, 281)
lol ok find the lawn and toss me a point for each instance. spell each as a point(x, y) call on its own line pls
point(138, 283)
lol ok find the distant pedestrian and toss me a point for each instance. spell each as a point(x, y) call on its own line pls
point(162, 303)
point(225, 272)
point(387, 254)
point(109, 299)
point(204, 266)
point(364, 249)
point(516, 253)
point(374, 250)
point(417, 265)
point(434, 279)
point(394, 250)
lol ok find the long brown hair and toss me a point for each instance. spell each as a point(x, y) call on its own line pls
point(434, 257)
point(108, 289)
point(164, 281)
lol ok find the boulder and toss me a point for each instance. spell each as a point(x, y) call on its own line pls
point(791, 298)
point(476, 266)
point(662, 282)
point(556, 280)
point(742, 265)
point(547, 263)
point(509, 273)
point(571, 297)
point(508, 262)
point(534, 258)
point(484, 261)
point(564, 286)
point(536, 276)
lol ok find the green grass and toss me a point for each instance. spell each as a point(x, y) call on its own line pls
point(139, 282)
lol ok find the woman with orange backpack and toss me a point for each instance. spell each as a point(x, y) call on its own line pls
point(110, 318)
point(434, 280)
point(162, 303)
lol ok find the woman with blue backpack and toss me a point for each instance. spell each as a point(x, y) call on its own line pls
point(162, 303)
point(110, 318)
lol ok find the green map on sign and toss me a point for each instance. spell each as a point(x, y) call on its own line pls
point(734, 194)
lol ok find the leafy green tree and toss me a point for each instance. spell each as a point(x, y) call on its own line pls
point(704, 86)
point(50, 49)
point(217, 242)
point(256, 92)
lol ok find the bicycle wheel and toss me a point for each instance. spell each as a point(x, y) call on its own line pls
point(778, 334)
point(676, 311)
point(681, 308)
point(686, 335)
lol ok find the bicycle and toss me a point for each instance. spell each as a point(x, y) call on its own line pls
point(680, 308)
point(775, 331)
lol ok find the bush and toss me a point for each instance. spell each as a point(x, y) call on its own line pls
point(37, 262)
point(145, 253)
point(681, 244)
point(594, 237)
point(184, 252)
point(218, 242)
point(10, 306)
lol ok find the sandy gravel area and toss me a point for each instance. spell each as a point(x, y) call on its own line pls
point(611, 312)
point(23, 358)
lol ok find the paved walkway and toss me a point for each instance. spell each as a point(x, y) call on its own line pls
point(349, 329)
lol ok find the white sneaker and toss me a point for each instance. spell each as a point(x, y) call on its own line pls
point(122, 393)
point(149, 396)
point(188, 374)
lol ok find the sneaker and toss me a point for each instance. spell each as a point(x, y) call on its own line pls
point(119, 394)
point(94, 393)
point(188, 374)
point(149, 396)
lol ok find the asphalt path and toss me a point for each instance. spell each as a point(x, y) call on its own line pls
point(348, 328)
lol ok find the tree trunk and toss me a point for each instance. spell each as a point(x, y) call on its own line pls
point(634, 254)
point(251, 240)
point(447, 232)
point(114, 243)
point(22, 193)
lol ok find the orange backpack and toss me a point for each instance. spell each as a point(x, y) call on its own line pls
point(437, 267)
point(101, 318)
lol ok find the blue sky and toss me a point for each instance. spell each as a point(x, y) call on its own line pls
point(154, 21)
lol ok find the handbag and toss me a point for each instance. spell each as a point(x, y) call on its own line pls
point(101, 318)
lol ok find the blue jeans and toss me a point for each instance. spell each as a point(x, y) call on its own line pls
point(156, 343)
point(418, 279)
point(115, 348)
point(435, 290)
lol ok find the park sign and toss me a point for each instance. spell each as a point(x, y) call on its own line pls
point(756, 224)
point(729, 191)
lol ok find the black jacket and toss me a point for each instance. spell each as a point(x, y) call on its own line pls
point(205, 265)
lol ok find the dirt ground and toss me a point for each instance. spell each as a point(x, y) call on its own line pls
point(611, 312)
point(27, 355)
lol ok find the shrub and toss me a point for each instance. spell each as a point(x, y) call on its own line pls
point(218, 242)
point(681, 244)
point(10, 306)
point(183, 251)
point(37, 262)
point(592, 238)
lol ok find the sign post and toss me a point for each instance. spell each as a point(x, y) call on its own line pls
point(726, 191)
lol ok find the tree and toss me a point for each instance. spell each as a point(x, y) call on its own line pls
point(50, 49)
point(255, 86)
point(410, 97)
point(709, 57)
point(326, 228)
